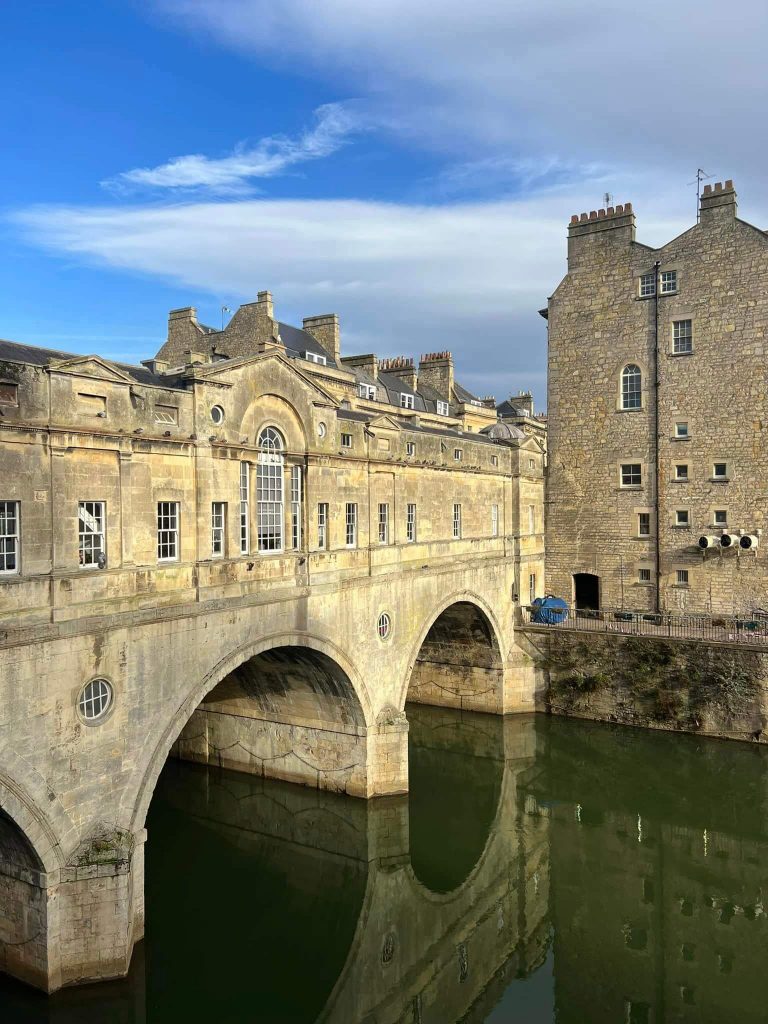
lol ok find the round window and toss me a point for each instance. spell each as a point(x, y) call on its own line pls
point(321, 430)
point(95, 699)
point(384, 626)
point(217, 414)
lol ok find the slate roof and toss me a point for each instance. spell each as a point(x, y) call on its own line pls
point(14, 352)
point(297, 342)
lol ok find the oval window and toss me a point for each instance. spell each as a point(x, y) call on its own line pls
point(321, 430)
point(384, 626)
point(217, 414)
point(95, 699)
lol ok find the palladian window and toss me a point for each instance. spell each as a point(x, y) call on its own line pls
point(631, 382)
point(269, 491)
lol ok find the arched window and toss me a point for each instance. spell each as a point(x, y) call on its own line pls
point(269, 491)
point(631, 383)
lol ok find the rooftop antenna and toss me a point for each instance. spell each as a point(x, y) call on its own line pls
point(701, 175)
point(224, 309)
point(607, 199)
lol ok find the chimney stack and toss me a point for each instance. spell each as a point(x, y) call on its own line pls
point(614, 225)
point(436, 371)
point(325, 329)
point(718, 204)
point(401, 367)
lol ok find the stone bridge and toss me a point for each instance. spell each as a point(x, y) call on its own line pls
point(291, 682)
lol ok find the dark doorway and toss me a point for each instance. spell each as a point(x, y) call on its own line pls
point(586, 591)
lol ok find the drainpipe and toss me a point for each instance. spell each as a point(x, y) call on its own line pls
point(657, 474)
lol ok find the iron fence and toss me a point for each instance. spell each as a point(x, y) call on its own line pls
point(741, 629)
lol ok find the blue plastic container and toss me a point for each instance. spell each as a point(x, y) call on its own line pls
point(549, 610)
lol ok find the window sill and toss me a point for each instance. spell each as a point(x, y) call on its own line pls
point(681, 586)
point(676, 438)
point(630, 487)
point(644, 583)
point(719, 479)
point(680, 480)
point(640, 408)
point(679, 355)
point(681, 526)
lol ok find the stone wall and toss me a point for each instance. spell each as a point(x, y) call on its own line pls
point(600, 322)
point(657, 684)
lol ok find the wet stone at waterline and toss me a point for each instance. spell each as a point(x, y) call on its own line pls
point(540, 870)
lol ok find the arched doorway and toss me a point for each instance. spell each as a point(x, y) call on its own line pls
point(586, 591)
point(459, 664)
point(291, 713)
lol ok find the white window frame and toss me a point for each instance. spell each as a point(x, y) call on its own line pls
point(684, 475)
point(322, 525)
point(647, 285)
point(494, 520)
point(628, 471)
point(91, 542)
point(682, 337)
point(719, 476)
point(406, 401)
point(494, 460)
point(314, 357)
point(644, 575)
point(681, 430)
point(350, 524)
point(682, 578)
point(383, 531)
point(367, 391)
point(410, 448)
point(720, 511)
point(218, 528)
point(10, 538)
point(410, 522)
point(270, 492)
point(168, 533)
point(631, 395)
point(531, 587)
point(245, 508)
point(296, 508)
point(668, 282)
point(641, 518)
point(168, 414)
point(456, 520)
point(458, 454)
point(346, 441)
point(682, 517)
point(443, 408)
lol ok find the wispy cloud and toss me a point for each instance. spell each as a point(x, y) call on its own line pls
point(234, 174)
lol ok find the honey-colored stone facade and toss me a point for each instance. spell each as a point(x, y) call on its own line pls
point(609, 313)
point(283, 644)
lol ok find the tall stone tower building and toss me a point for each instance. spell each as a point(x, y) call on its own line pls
point(658, 415)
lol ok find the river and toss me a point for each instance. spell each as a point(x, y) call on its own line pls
point(541, 870)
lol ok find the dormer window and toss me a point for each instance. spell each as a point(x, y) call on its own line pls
point(443, 409)
point(367, 391)
point(9, 393)
point(406, 401)
point(314, 357)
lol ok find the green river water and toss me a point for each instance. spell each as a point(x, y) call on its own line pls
point(541, 870)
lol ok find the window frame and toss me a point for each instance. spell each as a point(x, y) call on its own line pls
point(245, 507)
point(350, 524)
point(716, 512)
point(631, 397)
point(15, 537)
point(720, 477)
point(665, 276)
point(685, 435)
point(315, 357)
point(643, 518)
point(494, 520)
point(410, 448)
point(458, 455)
point(406, 400)
point(685, 522)
point(383, 523)
point(218, 529)
point(681, 477)
point(641, 578)
point(346, 441)
point(442, 408)
point(295, 482)
point(100, 516)
point(367, 391)
point(410, 522)
point(12, 399)
point(646, 287)
point(682, 340)
point(630, 475)
point(172, 533)
point(682, 578)
point(322, 525)
point(457, 520)
point(270, 492)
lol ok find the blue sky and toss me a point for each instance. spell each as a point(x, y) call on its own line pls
point(410, 166)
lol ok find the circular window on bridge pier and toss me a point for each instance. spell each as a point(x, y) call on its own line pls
point(384, 626)
point(95, 700)
point(217, 414)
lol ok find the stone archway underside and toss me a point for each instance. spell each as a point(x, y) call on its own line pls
point(292, 713)
point(459, 664)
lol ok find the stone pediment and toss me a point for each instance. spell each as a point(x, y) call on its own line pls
point(383, 422)
point(264, 359)
point(92, 366)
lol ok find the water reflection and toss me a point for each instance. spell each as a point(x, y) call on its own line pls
point(540, 870)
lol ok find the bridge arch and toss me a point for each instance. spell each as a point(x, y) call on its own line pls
point(24, 813)
point(458, 659)
point(335, 676)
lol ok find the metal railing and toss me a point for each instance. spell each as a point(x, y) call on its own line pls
point(742, 629)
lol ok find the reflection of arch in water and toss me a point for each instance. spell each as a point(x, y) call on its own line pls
point(284, 871)
point(458, 660)
point(456, 769)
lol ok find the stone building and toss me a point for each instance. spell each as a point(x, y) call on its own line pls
point(249, 551)
point(657, 415)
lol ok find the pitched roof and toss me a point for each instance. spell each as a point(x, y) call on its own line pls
point(30, 355)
